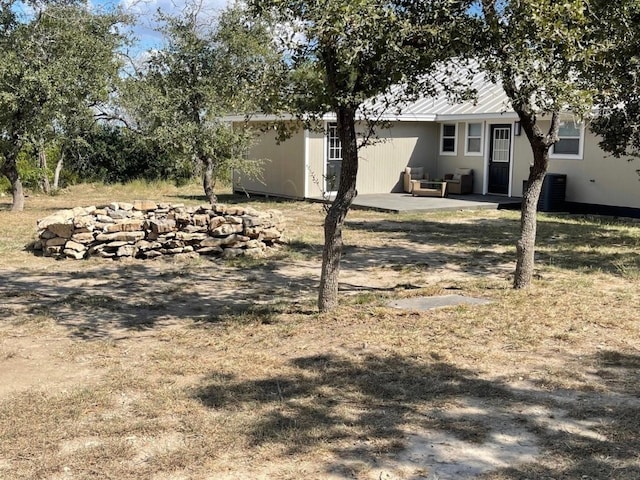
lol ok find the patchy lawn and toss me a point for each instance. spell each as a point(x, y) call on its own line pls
point(204, 369)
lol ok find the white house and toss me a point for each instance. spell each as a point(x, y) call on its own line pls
point(440, 136)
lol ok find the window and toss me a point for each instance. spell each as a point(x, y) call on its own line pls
point(473, 144)
point(570, 143)
point(333, 164)
point(334, 148)
point(449, 139)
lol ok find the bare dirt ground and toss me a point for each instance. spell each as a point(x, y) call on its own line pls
point(200, 369)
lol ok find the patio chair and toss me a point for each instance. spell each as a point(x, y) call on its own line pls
point(412, 176)
point(460, 181)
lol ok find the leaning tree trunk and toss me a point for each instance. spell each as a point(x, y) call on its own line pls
point(332, 251)
point(10, 170)
point(208, 181)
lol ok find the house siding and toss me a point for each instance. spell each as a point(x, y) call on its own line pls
point(597, 178)
point(404, 144)
point(283, 167)
point(296, 167)
point(315, 172)
point(447, 163)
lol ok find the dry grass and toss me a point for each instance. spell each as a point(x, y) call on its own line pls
point(204, 369)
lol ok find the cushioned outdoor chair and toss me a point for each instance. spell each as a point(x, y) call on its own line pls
point(460, 181)
point(412, 176)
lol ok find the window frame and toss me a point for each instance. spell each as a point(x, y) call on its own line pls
point(579, 137)
point(332, 135)
point(454, 137)
point(480, 152)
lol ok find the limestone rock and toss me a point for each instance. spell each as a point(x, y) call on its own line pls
point(235, 210)
point(71, 245)
point(128, 225)
point(233, 219)
point(226, 229)
point(163, 226)
point(62, 217)
point(144, 205)
point(142, 230)
point(64, 230)
point(82, 237)
point(126, 251)
point(271, 234)
point(75, 254)
point(201, 220)
point(104, 219)
point(120, 236)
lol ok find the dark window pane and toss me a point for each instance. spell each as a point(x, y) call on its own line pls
point(567, 146)
point(448, 145)
point(448, 130)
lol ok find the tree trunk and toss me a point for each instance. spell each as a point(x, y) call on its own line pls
point(56, 174)
point(44, 171)
point(332, 251)
point(10, 170)
point(208, 181)
point(526, 244)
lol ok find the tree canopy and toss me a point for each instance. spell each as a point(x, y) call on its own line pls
point(180, 94)
point(617, 77)
point(57, 63)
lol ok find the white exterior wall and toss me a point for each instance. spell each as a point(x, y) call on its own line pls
point(296, 167)
point(597, 178)
point(448, 162)
point(380, 164)
point(404, 144)
point(283, 167)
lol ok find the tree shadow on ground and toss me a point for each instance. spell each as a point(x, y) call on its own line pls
point(609, 448)
point(105, 297)
point(609, 246)
point(362, 407)
point(102, 295)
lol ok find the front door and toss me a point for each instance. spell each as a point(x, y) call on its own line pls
point(500, 159)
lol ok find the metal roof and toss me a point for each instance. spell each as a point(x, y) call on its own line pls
point(489, 101)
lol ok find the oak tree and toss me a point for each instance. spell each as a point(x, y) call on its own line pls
point(53, 62)
point(540, 51)
point(344, 59)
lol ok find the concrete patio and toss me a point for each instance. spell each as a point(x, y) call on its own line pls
point(405, 202)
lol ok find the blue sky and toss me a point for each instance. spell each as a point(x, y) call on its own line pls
point(145, 11)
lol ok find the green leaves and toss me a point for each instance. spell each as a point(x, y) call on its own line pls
point(345, 53)
point(55, 64)
point(181, 94)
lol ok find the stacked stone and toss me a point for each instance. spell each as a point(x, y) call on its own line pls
point(145, 229)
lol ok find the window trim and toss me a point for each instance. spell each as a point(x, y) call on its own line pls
point(455, 139)
point(467, 137)
point(570, 156)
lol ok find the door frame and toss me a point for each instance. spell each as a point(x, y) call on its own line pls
point(488, 150)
